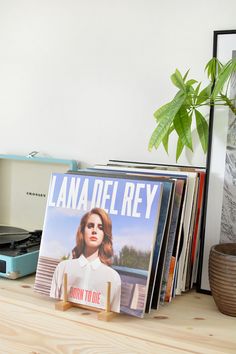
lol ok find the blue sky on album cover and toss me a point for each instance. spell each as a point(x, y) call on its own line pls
point(60, 224)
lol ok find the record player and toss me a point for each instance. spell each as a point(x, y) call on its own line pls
point(19, 250)
point(24, 183)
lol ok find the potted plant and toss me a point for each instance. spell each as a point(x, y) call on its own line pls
point(177, 115)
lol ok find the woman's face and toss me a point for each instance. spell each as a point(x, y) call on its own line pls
point(93, 232)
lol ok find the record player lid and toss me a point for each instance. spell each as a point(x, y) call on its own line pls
point(24, 183)
point(8, 234)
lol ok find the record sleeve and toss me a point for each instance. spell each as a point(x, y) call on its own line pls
point(99, 228)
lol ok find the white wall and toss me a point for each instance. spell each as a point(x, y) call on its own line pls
point(81, 79)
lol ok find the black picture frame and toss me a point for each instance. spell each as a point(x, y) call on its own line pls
point(224, 43)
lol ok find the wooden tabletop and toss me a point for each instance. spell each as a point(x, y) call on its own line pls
point(29, 324)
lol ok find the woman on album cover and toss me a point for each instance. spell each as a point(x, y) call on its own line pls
point(89, 270)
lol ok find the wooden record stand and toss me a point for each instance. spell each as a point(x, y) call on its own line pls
point(106, 315)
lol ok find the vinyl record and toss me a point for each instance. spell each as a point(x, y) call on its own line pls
point(9, 234)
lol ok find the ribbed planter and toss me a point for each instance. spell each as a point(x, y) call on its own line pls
point(222, 277)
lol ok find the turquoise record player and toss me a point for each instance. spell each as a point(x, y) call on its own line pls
point(24, 183)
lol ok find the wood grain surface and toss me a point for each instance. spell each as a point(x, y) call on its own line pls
point(29, 324)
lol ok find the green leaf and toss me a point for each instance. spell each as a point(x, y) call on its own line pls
point(179, 149)
point(165, 120)
point(191, 82)
point(160, 112)
point(202, 129)
point(204, 95)
point(210, 68)
point(213, 68)
point(165, 140)
point(223, 77)
point(177, 80)
point(189, 91)
point(164, 110)
point(185, 75)
point(196, 91)
point(182, 124)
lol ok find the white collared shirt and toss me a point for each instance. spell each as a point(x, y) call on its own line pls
point(87, 282)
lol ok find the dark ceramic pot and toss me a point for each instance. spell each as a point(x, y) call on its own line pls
point(222, 277)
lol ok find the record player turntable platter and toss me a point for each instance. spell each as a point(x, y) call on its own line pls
point(8, 234)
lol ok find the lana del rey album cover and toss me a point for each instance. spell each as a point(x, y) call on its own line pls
point(99, 229)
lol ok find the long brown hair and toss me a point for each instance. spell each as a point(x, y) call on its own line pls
point(105, 251)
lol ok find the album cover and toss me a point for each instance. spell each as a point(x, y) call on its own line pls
point(161, 239)
point(174, 235)
point(99, 228)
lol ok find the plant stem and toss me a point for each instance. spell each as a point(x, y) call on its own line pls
point(228, 103)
